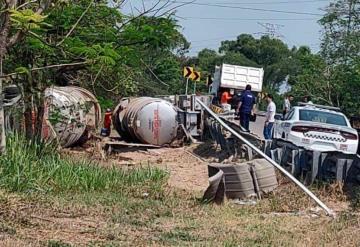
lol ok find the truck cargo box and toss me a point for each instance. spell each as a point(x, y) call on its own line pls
point(237, 77)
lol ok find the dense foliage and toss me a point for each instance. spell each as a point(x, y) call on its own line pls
point(90, 44)
point(94, 45)
point(331, 77)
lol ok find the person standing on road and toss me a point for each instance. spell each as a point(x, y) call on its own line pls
point(287, 104)
point(235, 99)
point(307, 99)
point(270, 117)
point(107, 123)
point(246, 107)
point(225, 97)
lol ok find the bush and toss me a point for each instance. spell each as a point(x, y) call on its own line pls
point(37, 166)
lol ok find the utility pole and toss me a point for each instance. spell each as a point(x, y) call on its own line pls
point(272, 30)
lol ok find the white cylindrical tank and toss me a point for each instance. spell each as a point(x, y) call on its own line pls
point(71, 113)
point(146, 120)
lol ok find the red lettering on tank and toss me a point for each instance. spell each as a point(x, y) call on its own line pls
point(156, 125)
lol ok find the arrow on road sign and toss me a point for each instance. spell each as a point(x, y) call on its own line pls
point(188, 71)
point(196, 76)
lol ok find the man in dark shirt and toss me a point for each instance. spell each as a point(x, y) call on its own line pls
point(235, 99)
point(246, 107)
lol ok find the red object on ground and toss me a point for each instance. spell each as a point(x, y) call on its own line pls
point(225, 97)
point(33, 119)
point(107, 120)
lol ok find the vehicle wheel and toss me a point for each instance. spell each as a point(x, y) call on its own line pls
point(83, 139)
point(11, 92)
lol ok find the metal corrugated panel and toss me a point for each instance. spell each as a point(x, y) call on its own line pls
point(265, 175)
point(237, 178)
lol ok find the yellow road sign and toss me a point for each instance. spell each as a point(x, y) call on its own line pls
point(188, 71)
point(196, 76)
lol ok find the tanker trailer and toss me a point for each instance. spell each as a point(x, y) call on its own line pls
point(146, 120)
point(71, 113)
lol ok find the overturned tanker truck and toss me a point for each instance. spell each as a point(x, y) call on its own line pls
point(146, 120)
point(71, 114)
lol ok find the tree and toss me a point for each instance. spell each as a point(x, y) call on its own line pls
point(88, 43)
point(340, 49)
point(313, 79)
point(24, 16)
point(341, 24)
point(332, 77)
point(271, 54)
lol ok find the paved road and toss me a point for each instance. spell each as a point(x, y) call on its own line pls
point(258, 126)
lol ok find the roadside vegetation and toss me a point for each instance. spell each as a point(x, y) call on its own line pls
point(49, 199)
point(38, 167)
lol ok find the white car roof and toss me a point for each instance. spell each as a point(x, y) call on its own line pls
point(318, 109)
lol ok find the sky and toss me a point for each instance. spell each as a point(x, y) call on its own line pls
point(205, 23)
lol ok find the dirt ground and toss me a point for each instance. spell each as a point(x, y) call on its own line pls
point(285, 218)
point(185, 170)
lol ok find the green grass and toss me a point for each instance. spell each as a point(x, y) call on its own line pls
point(38, 167)
point(177, 235)
point(55, 243)
point(87, 205)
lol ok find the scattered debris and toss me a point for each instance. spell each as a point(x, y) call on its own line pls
point(244, 202)
point(240, 181)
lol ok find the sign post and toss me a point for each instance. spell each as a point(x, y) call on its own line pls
point(196, 78)
point(187, 85)
point(188, 72)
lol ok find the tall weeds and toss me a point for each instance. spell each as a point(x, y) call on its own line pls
point(37, 166)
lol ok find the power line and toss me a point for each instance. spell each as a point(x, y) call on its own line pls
point(218, 38)
point(272, 30)
point(265, 3)
point(274, 2)
point(247, 8)
point(202, 46)
point(247, 19)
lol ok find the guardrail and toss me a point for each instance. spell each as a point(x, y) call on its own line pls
point(309, 165)
point(328, 211)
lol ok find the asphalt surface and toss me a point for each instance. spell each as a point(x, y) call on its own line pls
point(257, 127)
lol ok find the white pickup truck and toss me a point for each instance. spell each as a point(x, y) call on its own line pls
point(237, 77)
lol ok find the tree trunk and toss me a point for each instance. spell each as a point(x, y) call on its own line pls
point(4, 32)
point(28, 115)
point(39, 116)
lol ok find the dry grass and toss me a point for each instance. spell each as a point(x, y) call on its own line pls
point(171, 215)
point(177, 219)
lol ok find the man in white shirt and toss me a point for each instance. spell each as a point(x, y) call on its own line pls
point(270, 117)
point(287, 104)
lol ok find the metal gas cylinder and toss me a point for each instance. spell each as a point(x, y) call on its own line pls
point(146, 120)
point(70, 114)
